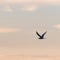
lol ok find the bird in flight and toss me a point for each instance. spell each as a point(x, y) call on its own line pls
point(41, 36)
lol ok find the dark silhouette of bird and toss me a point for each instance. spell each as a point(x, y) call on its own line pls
point(41, 36)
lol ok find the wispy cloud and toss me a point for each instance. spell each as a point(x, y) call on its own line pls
point(57, 26)
point(7, 8)
point(32, 1)
point(28, 5)
point(29, 8)
point(8, 30)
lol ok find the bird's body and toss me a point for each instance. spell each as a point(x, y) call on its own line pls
point(41, 36)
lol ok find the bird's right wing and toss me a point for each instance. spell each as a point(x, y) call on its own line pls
point(37, 33)
point(44, 34)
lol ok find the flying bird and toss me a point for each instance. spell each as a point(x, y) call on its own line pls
point(41, 36)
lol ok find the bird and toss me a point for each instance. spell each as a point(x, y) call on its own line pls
point(41, 36)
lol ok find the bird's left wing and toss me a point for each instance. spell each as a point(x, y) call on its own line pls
point(37, 33)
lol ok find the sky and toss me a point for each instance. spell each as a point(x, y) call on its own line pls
point(19, 21)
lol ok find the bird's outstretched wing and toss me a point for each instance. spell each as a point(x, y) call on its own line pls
point(38, 34)
point(44, 34)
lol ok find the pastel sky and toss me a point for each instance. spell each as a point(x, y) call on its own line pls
point(19, 20)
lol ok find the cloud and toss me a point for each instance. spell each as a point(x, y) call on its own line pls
point(57, 26)
point(7, 8)
point(31, 1)
point(27, 5)
point(29, 8)
point(8, 30)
